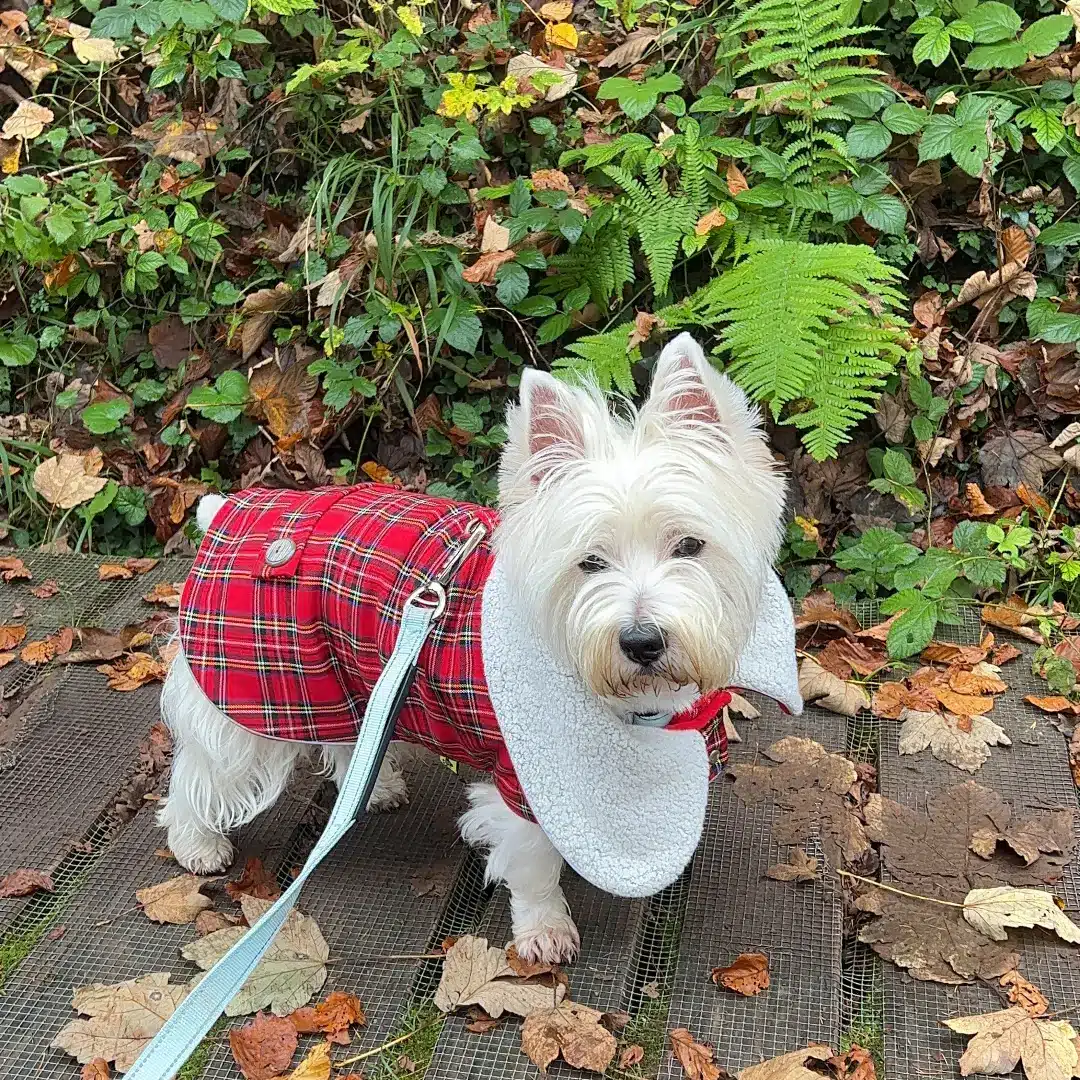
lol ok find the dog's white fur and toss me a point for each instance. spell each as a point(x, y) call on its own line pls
point(575, 482)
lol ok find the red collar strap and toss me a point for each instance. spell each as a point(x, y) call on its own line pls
point(701, 714)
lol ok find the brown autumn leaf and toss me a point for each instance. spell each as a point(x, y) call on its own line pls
point(482, 272)
point(11, 635)
point(644, 325)
point(280, 398)
point(996, 288)
point(709, 221)
point(1053, 704)
point(843, 656)
point(7, 658)
point(695, 1058)
point(802, 867)
point(133, 671)
point(1016, 244)
point(788, 1066)
point(964, 704)
point(945, 652)
point(166, 593)
point(121, 1018)
point(24, 882)
point(28, 120)
point(631, 1056)
point(819, 609)
point(255, 880)
point(1024, 993)
point(573, 1031)
point(209, 922)
point(316, 1066)
point(977, 504)
point(172, 342)
point(495, 237)
point(183, 140)
point(856, 1064)
point(46, 590)
point(962, 741)
point(98, 1069)
point(264, 1046)
point(1002, 654)
point(1017, 457)
point(736, 182)
point(631, 50)
point(66, 480)
point(261, 309)
point(1033, 500)
point(41, 652)
point(333, 1017)
point(1002, 1040)
point(747, 974)
point(976, 681)
point(822, 688)
point(12, 568)
point(380, 474)
point(114, 572)
point(551, 179)
point(177, 900)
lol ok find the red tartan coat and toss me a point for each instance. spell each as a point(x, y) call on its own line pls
point(292, 609)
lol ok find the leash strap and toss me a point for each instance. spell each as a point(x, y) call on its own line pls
point(187, 1026)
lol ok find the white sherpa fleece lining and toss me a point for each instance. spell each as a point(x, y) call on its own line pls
point(623, 804)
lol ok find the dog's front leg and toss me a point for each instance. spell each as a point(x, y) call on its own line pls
point(521, 855)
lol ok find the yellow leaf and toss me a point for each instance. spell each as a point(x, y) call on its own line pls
point(66, 481)
point(556, 10)
point(9, 155)
point(28, 121)
point(93, 50)
point(410, 20)
point(316, 1066)
point(561, 36)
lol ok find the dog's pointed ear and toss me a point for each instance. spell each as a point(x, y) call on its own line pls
point(546, 428)
point(687, 392)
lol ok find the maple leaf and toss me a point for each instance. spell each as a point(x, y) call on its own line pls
point(67, 480)
point(254, 880)
point(122, 1018)
point(177, 900)
point(264, 1047)
point(747, 975)
point(991, 910)
point(316, 1066)
point(823, 688)
point(966, 748)
point(134, 670)
point(334, 1017)
point(1015, 457)
point(572, 1030)
point(789, 1066)
point(475, 973)
point(24, 882)
point(28, 121)
point(292, 970)
point(1008, 1037)
point(802, 867)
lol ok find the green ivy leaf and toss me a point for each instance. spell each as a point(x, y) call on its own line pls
point(105, 416)
point(1045, 35)
point(885, 213)
point(868, 139)
point(992, 21)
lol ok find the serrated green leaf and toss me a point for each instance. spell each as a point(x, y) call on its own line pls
point(1007, 54)
point(1046, 323)
point(904, 119)
point(233, 10)
point(1045, 124)
point(464, 332)
point(1061, 234)
point(936, 139)
point(511, 284)
point(1045, 35)
point(992, 21)
point(969, 148)
point(845, 202)
point(868, 139)
point(885, 213)
point(933, 47)
point(105, 416)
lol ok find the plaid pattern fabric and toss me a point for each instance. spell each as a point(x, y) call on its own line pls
point(292, 609)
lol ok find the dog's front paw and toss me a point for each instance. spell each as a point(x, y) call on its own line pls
point(391, 792)
point(552, 939)
point(201, 853)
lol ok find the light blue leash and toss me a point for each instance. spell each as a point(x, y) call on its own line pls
point(185, 1029)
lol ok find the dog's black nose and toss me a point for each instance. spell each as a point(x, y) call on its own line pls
point(642, 644)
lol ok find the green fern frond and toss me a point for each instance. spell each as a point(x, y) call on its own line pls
point(605, 358)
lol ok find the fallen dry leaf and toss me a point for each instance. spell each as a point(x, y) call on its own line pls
point(695, 1058)
point(263, 1047)
point(802, 867)
point(748, 974)
point(631, 1056)
point(631, 50)
point(41, 652)
point(819, 609)
point(810, 785)
point(46, 590)
point(290, 973)
point(1025, 994)
point(476, 973)
point(114, 572)
point(1053, 704)
point(333, 1017)
point(980, 680)
point(166, 593)
point(991, 910)
point(977, 504)
point(177, 900)
point(28, 121)
point(24, 882)
point(967, 748)
point(254, 880)
point(736, 182)
point(11, 636)
point(856, 1064)
point(571, 1030)
point(789, 1066)
point(67, 480)
point(1017, 457)
point(495, 238)
point(1002, 654)
point(316, 1066)
point(122, 1018)
point(714, 219)
point(964, 704)
point(13, 568)
point(206, 922)
point(482, 272)
point(133, 671)
point(524, 65)
point(261, 309)
point(98, 1069)
point(1005, 1038)
point(823, 688)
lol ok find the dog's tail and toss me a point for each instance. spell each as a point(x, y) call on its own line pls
point(207, 510)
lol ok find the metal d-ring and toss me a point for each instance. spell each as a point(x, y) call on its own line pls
point(431, 595)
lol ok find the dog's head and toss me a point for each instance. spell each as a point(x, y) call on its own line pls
point(638, 543)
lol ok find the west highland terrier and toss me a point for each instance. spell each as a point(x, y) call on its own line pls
point(619, 585)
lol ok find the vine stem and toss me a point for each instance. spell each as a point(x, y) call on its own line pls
point(386, 1045)
point(900, 892)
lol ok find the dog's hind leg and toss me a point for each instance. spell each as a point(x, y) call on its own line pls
point(222, 774)
point(521, 855)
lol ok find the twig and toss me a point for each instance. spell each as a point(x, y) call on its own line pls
point(105, 922)
point(386, 1045)
point(83, 165)
point(12, 93)
point(899, 892)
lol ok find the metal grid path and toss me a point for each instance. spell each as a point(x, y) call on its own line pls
point(105, 941)
point(733, 908)
point(1033, 775)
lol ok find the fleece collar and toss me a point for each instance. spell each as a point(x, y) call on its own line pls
point(623, 804)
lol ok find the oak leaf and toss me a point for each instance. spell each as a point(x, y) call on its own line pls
point(177, 900)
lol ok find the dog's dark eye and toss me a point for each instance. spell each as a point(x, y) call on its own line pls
point(688, 547)
point(592, 564)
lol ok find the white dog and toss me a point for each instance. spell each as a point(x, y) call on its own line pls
point(634, 550)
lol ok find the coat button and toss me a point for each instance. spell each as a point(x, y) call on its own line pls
point(716, 757)
point(280, 552)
